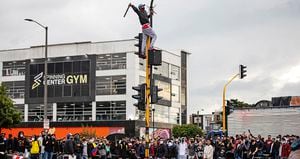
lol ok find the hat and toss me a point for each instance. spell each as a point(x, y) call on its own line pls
point(141, 6)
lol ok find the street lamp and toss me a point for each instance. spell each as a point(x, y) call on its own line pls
point(46, 67)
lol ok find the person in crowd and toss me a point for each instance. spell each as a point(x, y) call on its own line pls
point(208, 150)
point(295, 150)
point(35, 148)
point(10, 147)
point(42, 147)
point(275, 148)
point(191, 149)
point(69, 146)
point(161, 150)
point(78, 146)
point(2, 146)
point(84, 148)
point(285, 149)
point(49, 142)
point(141, 150)
point(182, 149)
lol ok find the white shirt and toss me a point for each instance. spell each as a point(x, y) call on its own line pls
point(40, 139)
point(208, 152)
point(182, 148)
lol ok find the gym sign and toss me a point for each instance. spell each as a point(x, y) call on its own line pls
point(59, 79)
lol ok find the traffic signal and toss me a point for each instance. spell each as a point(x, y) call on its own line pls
point(229, 107)
point(154, 94)
point(141, 53)
point(141, 96)
point(243, 71)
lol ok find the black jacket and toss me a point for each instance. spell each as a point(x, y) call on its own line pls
point(143, 16)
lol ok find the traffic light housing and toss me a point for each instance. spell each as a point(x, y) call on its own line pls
point(243, 71)
point(154, 94)
point(141, 53)
point(141, 96)
point(229, 107)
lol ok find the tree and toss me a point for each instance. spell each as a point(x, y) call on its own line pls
point(9, 116)
point(187, 130)
point(238, 104)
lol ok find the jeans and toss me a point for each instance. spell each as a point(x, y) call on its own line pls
point(148, 32)
point(48, 155)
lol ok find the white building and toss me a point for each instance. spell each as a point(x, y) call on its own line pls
point(92, 81)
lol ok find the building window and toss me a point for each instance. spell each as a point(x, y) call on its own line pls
point(165, 93)
point(162, 70)
point(175, 93)
point(13, 68)
point(142, 64)
point(36, 112)
point(20, 108)
point(74, 111)
point(175, 72)
point(111, 61)
point(111, 110)
point(15, 89)
point(111, 85)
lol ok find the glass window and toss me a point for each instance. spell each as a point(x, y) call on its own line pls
point(175, 93)
point(76, 66)
point(166, 92)
point(58, 68)
point(15, 89)
point(36, 112)
point(111, 61)
point(74, 111)
point(162, 70)
point(111, 110)
point(110, 85)
point(142, 65)
point(175, 72)
point(68, 67)
point(14, 68)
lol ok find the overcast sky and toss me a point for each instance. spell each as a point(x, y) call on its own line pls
point(264, 35)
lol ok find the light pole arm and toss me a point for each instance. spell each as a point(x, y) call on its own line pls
point(224, 99)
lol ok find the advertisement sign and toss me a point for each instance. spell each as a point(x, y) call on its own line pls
point(68, 79)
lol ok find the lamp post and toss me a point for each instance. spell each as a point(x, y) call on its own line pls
point(45, 67)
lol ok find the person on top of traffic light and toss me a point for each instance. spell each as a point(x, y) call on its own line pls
point(146, 27)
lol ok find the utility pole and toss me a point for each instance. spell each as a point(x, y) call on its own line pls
point(148, 88)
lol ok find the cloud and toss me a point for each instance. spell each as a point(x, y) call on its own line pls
point(263, 35)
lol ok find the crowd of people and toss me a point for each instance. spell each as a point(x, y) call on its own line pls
point(46, 146)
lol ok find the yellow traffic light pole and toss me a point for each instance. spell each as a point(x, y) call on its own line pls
point(224, 100)
point(147, 113)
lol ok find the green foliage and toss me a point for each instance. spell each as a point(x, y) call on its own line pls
point(238, 104)
point(187, 130)
point(87, 132)
point(9, 116)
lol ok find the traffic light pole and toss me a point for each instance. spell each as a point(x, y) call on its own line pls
point(224, 100)
point(147, 113)
point(148, 88)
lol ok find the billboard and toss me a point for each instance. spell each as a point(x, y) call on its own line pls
point(295, 101)
point(68, 80)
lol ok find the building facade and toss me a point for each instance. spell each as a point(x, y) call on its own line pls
point(92, 81)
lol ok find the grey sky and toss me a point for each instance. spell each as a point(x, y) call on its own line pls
point(220, 34)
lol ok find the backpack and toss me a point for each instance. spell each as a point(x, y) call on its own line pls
point(94, 152)
point(35, 148)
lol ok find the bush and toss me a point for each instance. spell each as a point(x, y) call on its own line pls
point(187, 130)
